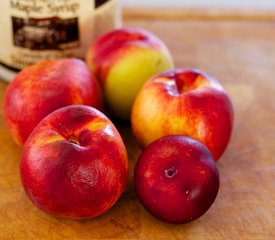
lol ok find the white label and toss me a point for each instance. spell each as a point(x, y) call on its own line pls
point(34, 30)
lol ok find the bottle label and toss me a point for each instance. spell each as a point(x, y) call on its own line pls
point(107, 17)
point(35, 30)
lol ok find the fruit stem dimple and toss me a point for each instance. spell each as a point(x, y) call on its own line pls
point(171, 172)
point(74, 140)
point(187, 81)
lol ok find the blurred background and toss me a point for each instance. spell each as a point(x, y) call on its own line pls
point(231, 4)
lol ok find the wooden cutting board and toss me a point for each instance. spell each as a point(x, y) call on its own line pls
point(241, 54)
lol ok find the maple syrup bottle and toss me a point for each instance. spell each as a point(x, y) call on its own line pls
point(32, 31)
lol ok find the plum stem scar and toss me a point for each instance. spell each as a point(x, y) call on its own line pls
point(171, 172)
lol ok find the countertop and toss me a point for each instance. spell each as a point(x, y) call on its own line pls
point(241, 54)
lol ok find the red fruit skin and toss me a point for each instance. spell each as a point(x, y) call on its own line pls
point(184, 102)
point(176, 179)
point(108, 49)
point(44, 87)
point(74, 164)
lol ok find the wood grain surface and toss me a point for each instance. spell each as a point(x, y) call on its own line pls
point(242, 56)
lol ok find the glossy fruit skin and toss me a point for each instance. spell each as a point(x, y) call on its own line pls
point(44, 87)
point(176, 179)
point(123, 60)
point(74, 164)
point(185, 102)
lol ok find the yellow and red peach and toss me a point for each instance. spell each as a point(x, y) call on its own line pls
point(123, 60)
point(186, 102)
point(74, 163)
point(44, 87)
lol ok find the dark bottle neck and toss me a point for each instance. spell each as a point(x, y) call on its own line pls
point(98, 3)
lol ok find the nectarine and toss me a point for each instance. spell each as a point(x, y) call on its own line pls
point(123, 60)
point(44, 87)
point(186, 102)
point(74, 163)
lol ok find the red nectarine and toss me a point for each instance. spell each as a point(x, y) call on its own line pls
point(44, 87)
point(74, 163)
point(186, 102)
